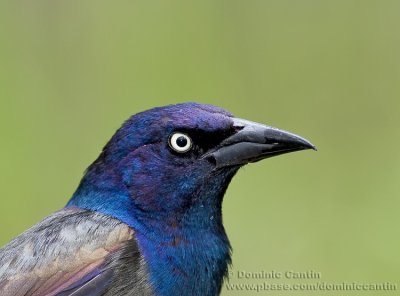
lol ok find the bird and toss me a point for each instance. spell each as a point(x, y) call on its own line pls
point(146, 218)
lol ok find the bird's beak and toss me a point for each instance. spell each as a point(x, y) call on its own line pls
point(254, 142)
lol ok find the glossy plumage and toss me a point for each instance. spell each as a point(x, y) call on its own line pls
point(73, 252)
point(146, 218)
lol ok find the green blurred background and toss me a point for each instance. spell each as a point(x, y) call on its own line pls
point(72, 71)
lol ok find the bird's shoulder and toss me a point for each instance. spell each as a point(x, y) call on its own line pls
point(72, 252)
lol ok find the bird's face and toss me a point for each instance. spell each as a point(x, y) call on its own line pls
point(177, 161)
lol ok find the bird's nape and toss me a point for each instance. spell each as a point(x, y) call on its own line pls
point(146, 218)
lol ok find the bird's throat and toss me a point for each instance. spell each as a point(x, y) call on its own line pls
point(186, 262)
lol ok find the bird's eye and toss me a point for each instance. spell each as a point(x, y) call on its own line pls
point(180, 142)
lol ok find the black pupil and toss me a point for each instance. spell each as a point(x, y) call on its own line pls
point(181, 141)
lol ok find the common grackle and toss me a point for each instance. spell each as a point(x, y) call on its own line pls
point(146, 218)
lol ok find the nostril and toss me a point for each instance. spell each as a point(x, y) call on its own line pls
point(237, 128)
point(212, 159)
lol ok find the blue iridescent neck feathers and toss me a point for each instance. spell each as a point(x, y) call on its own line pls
point(164, 173)
point(172, 201)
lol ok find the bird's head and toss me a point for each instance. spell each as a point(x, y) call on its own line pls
point(174, 163)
